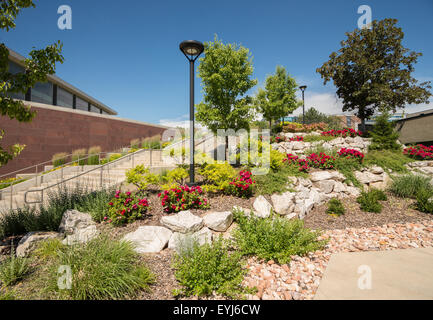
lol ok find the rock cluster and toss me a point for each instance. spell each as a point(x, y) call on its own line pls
point(421, 167)
point(299, 147)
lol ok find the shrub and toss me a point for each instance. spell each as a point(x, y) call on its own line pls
point(183, 198)
point(141, 177)
point(369, 200)
point(218, 174)
point(342, 133)
point(59, 159)
point(407, 186)
point(94, 153)
point(388, 160)
point(419, 152)
point(79, 156)
point(101, 269)
point(242, 186)
point(424, 200)
point(335, 206)
point(126, 208)
point(298, 127)
point(112, 157)
point(383, 135)
point(274, 238)
point(95, 203)
point(175, 177)
point(351, 154)
point(202, 270)
point(13, 269)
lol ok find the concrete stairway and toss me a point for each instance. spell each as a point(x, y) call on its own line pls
point(89, 177)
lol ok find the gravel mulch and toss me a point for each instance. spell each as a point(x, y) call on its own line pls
point(395, 210)
point(300, 279)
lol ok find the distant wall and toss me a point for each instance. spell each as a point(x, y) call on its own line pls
point(416, 129)
point(56, 129)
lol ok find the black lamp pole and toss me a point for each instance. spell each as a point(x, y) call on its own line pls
point(303, 103)
point(191, 49)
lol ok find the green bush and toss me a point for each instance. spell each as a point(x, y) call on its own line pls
point(93, 158)
point(78, 156)
point(201, 270)
point(101, 269)
point(277, 181)
point(335, 206)
point(424, 200)
point(369, 200)
point(218, 174)
point(407, 186)
point(141, 177)
point(59, 159)
point(388, 160)
point(13, 269)
point(274, 238)
point(384, 137)
point(96, 203)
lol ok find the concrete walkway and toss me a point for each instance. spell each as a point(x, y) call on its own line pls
point(398, 274)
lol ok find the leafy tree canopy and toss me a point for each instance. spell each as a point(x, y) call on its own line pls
point(37, 67)
point(225, 71)
point(278, 98)
point(372, 71)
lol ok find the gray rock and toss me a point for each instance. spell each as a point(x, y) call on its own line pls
point(339, 187)
point(183, 222)
point(376, 170)
point(304, 182)
point(73, 220)
point(81, 235)
point(353, 191)
point(367, 177)
point(262, 208)
point(218, 221)
point(184, 241)
point(148, 239)
point(297, 145)
point(326, 186)
point(29, 242)
point(283, 204)
point(321, 175)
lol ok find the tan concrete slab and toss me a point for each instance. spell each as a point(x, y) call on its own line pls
point(398, 275)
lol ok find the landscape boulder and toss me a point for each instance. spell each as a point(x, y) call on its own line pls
point(283, 204)
point(184, 222)
point(262, 208)
point(149, 239)
point(218, 221)
point(184, 241)
point(29, 242)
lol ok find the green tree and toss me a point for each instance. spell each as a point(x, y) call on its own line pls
point(278, 98)
point(372, 71)
point(37, 67)
point(225, 71)
point(383, 135)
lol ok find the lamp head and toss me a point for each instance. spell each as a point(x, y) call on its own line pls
point(191, 49)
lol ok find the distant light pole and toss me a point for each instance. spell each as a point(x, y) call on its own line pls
point(303, 103)
point(191, 49)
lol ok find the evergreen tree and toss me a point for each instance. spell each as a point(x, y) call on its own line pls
point(384, 137)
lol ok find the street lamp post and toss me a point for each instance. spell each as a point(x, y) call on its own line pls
point(303, 103)
point(191, 49)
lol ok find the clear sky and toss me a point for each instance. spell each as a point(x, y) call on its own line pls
point(126, 53)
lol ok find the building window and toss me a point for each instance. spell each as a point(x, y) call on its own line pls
point(14, 69)
point(64, 98)
point(349, 121)
point(94, 109)
point(42, 93)
point(81, 104)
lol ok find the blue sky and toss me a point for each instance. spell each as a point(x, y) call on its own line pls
point(125, 53)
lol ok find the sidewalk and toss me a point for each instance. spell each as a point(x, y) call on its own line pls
point(396, 274)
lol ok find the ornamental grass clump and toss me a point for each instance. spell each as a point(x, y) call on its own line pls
point(274, 238)
point(335, 207)
point(126, 208)
point(408, 185)
point(202, 270)
point(183, 198)
point(13, 269)
point(102, 269)
point(59, 159)
point(94, 153)
point(241, 186)
point(79, 156)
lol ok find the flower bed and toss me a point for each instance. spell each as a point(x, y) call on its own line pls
point(183, 198)
point(419, 152)
point(321, 161)
point(342, 133)
point(351, 154)
point(297, 138)
point(126, 208)
point(241, 186)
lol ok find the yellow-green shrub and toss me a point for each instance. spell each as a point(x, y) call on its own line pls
point(218, 174)
point(141, 177)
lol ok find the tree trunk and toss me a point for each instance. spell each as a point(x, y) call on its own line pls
point(227, 148)
point(363, 125)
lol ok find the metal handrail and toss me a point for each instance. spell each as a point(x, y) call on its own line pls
point(100, 167)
